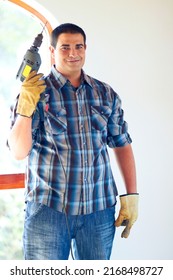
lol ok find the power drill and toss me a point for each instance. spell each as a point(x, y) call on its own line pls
point(31, 60)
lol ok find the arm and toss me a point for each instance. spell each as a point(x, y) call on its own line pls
point(126, 163)
point(129, 203)
point(20, 137)
point(120, 141)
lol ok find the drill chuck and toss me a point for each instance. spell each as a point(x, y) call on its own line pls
point(38, 40)
point(31, 60)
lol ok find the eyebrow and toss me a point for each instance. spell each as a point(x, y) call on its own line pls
point(80, 45)
point(67, 45)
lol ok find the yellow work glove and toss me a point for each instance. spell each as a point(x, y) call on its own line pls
point(29, 96)
point(128, 213)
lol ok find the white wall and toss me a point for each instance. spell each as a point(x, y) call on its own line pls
point(130, 46)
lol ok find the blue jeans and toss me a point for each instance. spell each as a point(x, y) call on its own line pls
point(48, 236)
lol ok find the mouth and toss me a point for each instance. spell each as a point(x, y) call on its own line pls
point(73, 61)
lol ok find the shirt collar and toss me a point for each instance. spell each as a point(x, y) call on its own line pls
point(58, 76)
point(86, 78)
point(62, 80)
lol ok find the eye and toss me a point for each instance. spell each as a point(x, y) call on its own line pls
point(80, 46)
point(65, 48)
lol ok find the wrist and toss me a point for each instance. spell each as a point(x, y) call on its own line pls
point(127, 194)
point(23, 116)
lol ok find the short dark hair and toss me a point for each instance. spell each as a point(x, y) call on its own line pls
point(65, 28)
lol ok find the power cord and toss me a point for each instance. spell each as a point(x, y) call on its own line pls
point(65, 174)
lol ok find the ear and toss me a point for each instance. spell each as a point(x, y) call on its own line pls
point(52, 53)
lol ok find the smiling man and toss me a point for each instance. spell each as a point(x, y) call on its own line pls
point(69, 56)
point(63, 124)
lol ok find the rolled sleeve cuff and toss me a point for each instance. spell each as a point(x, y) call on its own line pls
point(119, 140)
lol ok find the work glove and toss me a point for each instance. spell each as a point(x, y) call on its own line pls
point(128, 213)
point(29, 96)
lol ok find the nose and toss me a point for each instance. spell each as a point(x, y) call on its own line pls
point(72, 53)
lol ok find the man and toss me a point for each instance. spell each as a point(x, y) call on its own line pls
point(63, 123)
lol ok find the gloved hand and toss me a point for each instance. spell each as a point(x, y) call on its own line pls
point(29, 96)
point(128, 212)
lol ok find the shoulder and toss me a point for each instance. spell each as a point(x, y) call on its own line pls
point(102, 87)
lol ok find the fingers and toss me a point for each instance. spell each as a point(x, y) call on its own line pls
point(30, 76)
point(34, 83)
point(124, 221)
point(42, 88)
point(33, 77)
point(125, 233)
point(36, 78)
point(127, 229)
point(40, 82)
point(120, 220)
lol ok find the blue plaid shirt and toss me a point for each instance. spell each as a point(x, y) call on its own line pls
point(68, 165)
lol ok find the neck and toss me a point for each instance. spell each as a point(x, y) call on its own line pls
point(74, 79)
point(74, 82)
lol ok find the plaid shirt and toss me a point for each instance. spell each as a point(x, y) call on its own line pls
point(68, 165)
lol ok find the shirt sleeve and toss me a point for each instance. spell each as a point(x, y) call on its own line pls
point(118, 135)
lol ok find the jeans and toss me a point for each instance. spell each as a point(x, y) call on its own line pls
point(50, 235)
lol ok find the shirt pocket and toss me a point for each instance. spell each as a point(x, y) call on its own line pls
point(56, 123)
point(99, 117)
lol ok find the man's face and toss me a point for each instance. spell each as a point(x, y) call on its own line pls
point(69, 54)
